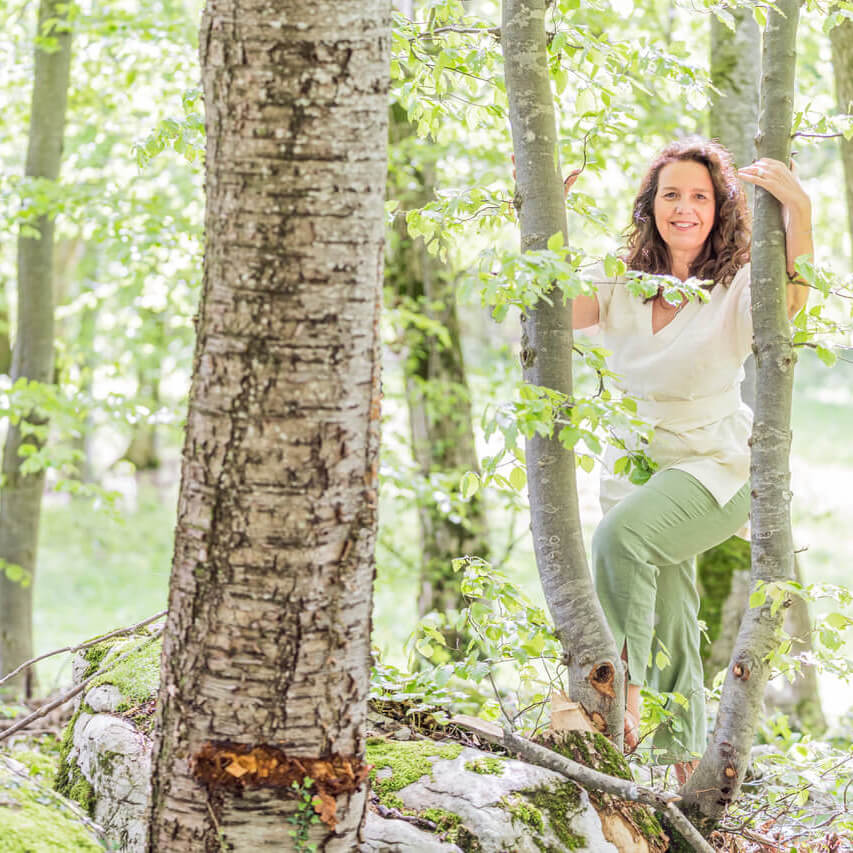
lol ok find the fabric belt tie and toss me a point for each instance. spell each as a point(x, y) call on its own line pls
point(681, 415)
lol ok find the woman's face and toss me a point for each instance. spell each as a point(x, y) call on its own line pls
point(684, 207)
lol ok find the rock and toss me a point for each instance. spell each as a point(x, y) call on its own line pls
point(105, 761)
point(477, 798)
point(104, 697)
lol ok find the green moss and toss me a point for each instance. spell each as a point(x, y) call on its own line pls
point(590, 749)
point(39, 764)
point(32, 822)
point(714, 570)
point(408, 760)
point(445, 822)
point(95, 655)
point(138, 677)
point(560, 804)
point(70, 781)
point(486, 766)
point(522, 811)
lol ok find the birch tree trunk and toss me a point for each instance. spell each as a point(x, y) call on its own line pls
point(596, 677)
point(718, 778)
point(265, 664)
point(841, 38)
point(32, 356)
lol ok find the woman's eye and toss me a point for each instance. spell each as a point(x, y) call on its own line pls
point(669, 195)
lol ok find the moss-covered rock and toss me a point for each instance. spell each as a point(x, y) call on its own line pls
point(35, 820)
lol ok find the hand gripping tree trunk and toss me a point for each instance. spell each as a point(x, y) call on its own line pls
point(719, 775)
point(32, 358)
point(265, 664)
point(596, 677)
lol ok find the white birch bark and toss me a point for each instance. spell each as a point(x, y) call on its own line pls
point(268, 634)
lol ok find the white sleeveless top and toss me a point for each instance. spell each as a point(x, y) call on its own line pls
point(686, 380)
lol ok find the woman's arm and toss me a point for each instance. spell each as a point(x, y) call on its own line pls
point(772, 176)
point(584, 311)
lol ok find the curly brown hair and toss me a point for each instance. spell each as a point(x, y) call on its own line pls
point(726, 249)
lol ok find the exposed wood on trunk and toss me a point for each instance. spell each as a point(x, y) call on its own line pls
point(718, 777)
point(32, 356)
point(596, 678)
point(267, 641)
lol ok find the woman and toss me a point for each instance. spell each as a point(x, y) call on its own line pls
point(683, 365)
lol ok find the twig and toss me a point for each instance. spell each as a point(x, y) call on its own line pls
point(94, 642)
point(816, 135)
point(70, 694)
point(623, 789)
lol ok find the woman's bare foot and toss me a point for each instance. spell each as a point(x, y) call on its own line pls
point(684, 770)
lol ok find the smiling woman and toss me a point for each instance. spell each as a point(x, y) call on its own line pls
point(682, 363)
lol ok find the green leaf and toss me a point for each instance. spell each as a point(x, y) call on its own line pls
point(613, 266)
point(585, 102)
point(758, 597)
point(827, 356)
point(518, 478)
point(838, 620)
point(556, 242)
point(760, 16)
point(469, 485)
point(586, 462)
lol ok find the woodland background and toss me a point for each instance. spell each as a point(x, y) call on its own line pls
point(128, 258)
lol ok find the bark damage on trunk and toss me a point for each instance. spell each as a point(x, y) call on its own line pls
point(718, 778)
point(266, 652)
point(596, 678)
point(32, 357)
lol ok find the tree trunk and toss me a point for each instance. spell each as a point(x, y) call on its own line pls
point(32, 358)
point(264, 673)
point(596, 677)
point(841, 37)
point(723, 572)
point(437, 393)
point(718, 778)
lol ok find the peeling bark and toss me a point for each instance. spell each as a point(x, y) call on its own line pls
point(717, 779)
point(32, 356)
point(268, 634)
point(596, 677)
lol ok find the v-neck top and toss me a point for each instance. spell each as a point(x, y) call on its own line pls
point(686, 380)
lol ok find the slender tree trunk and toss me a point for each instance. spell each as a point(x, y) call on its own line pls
point(841, 38)
point(437, 393)
point(723, 572)
point(265, 664)
point(596, 677)
point(718, 778)
point(32, 358)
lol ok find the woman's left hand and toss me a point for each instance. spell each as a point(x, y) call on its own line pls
point(781, 182)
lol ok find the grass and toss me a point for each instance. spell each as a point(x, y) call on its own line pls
point(95, 573)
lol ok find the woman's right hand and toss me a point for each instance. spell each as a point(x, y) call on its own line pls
point(568, 182)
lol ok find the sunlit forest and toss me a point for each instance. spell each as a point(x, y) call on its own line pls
point(96, 434)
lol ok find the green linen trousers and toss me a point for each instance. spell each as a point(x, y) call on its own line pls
point(643, 559)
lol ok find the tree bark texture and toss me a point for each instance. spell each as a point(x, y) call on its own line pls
point(717, 779)
point(265, 665)
point(437, 392)
point(596, 678)
point(735, 67)
point(32, 356)
point(841, 38)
